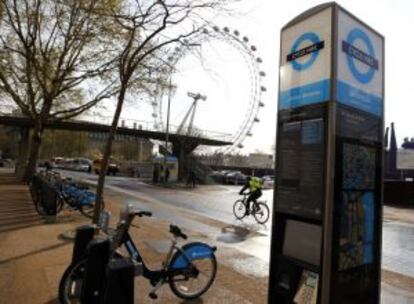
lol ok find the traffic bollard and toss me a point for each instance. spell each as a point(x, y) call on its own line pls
point(94, 283)
point(120, 275)
point(84, 234)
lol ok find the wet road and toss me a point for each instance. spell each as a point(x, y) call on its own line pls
point(215, 219)
point(398, 247)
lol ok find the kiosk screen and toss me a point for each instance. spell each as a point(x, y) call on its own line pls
point(302, 242)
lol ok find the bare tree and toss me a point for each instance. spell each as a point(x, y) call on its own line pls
point(149, 28)
point(55, 61)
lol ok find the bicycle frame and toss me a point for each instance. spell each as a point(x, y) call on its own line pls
point(178, 261)
point(160, 275)
point(244, 200)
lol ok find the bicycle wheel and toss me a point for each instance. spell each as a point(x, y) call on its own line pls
point(261, 212)
point(239, 209)
point(196, 279)
point(70, 286)
point(87, 210)
point(59, 204)
point(39, 208)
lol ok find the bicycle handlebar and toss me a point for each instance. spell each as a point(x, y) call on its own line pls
point(143, 213)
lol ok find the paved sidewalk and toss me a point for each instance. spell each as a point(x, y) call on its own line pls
point(33, 256)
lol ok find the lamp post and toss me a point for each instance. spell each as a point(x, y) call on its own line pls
point(166, 131)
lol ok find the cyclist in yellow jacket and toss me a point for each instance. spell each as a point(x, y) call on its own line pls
point(254, 184)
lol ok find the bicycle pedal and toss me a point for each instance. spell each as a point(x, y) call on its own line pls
point(153, 295)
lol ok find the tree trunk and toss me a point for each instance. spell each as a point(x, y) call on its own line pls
point(107, 154)
point(23, 149)
point(34, 149)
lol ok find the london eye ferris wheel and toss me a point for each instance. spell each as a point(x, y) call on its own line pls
point(226, 68)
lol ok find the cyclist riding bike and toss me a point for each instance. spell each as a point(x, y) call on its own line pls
point(255, 185)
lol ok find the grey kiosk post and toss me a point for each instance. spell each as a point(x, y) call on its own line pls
point(327, 218)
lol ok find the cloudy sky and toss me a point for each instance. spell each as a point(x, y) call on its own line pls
point(225, 80)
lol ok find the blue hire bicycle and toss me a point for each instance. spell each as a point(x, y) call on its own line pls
point(189, 270)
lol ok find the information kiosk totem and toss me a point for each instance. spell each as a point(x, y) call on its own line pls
point(326, 234)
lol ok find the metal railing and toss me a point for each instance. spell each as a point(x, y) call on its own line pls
point(136, 124)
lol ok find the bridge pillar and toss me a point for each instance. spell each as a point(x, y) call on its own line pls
point(182, 150)
point(22, 150)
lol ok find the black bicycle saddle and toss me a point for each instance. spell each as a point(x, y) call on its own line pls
point(176, 231)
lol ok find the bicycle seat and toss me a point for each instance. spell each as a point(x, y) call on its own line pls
point(176, 231)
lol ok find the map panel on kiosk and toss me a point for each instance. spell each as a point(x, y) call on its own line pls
point(301, 154)
point(358, 167)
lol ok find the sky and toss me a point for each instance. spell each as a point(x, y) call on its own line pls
point(225, 79)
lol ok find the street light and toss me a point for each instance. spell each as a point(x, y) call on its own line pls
point(170, 87)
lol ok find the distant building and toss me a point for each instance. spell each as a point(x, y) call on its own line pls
point(260, 160)
point(399, 163)
point(124, 146)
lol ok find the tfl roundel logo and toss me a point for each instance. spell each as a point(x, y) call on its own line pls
point(311, 51)
point(364, 69)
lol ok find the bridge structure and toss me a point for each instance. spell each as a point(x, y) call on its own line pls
point(182, 144)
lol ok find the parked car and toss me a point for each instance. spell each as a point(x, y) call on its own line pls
point(81, 164)
point(218, 176)
point(235, 177)
point(6, 162)
point(66, 164)
point(58, 162)
point(268, 181)
point(112, 166)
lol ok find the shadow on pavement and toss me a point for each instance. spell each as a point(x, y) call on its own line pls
point(18, 257)
point(238, 233)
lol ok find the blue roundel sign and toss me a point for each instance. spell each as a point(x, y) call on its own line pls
point(353, 53)
point(311, 51)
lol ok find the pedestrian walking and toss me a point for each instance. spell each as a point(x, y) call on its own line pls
point(191, 179)
point(155, 174)
point(167, 174)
